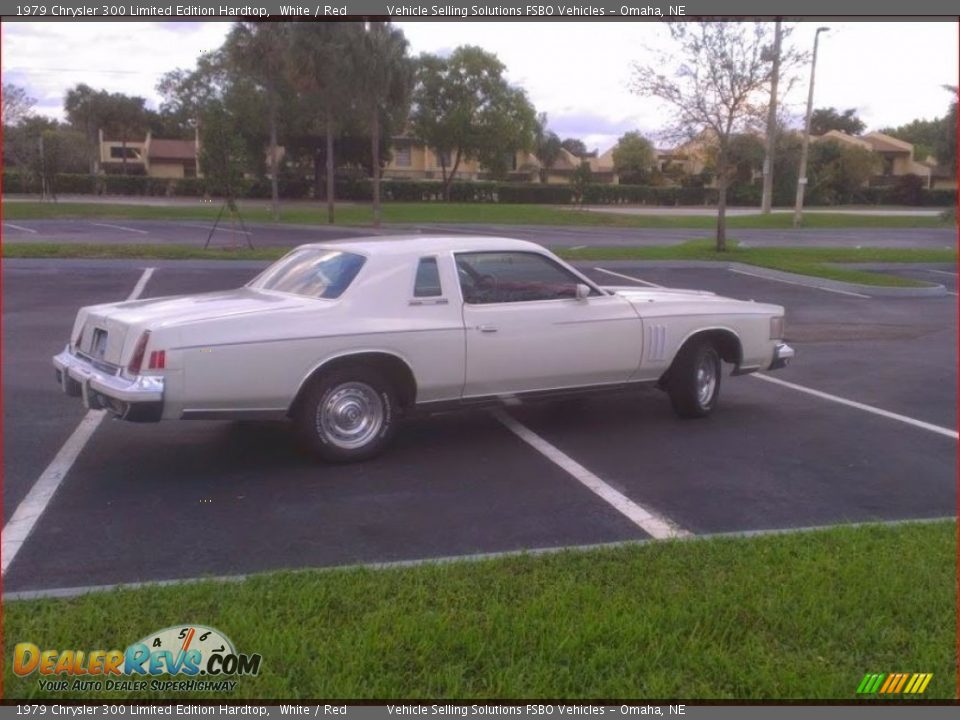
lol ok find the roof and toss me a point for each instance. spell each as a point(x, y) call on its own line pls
point(840, 136)
point(885, 143)
point(421, 244)
point(173, 149)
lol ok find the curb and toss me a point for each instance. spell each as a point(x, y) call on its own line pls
point(933, 290)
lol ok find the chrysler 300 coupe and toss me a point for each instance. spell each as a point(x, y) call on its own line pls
point(346, 337)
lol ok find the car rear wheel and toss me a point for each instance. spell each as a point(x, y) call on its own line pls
point(348, 415)
point(694, 380)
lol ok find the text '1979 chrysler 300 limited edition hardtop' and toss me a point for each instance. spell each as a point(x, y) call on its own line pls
point(346, 337)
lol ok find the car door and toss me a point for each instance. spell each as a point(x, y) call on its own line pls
point(526, 330)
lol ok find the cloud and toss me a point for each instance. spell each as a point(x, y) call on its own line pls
point(577, 72)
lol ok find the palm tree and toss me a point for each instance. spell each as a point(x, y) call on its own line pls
point(384, 76)
point(259, 50)
point(548, 147)
point(319, 70)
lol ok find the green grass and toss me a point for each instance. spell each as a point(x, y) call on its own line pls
point(801, 615)
point(820, 262)
point(417, 213)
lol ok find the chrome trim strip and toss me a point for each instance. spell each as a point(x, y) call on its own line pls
point(458, 328)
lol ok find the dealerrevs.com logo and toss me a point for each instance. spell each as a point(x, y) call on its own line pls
point(203, 654)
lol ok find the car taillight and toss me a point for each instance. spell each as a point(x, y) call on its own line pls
point(158, 360)
point(138, 352)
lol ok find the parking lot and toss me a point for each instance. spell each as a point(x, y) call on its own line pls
point(196, 233)
point(182, 500)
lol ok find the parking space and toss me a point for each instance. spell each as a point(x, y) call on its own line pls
point(176, 500)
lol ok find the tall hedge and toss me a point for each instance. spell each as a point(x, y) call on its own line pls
point(905, 192)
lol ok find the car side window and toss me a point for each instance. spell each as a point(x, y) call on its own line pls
point(427, 282)
point(499, 277)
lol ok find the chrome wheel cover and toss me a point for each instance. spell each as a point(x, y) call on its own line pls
point(706, 380)
point(351, 415)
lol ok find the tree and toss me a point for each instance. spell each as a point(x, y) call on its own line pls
point(465, 110)
point(17, 105)
point(823, 120)
point(945, 146)
point(126, 116)
point(319, 70)
point(187, 94)
point(580, 178)
point(88, 110)
point(633, 158)
point(384, 77)
point(222, 152)
point(547, 147)
point(711, 82)
point(259, 51)
point(922, 134)
point(838, 171)
point(574, 147)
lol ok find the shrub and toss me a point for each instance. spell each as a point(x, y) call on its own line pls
point(535, 194)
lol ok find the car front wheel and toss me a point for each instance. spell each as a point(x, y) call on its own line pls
point(348, 415)
point(694, 380)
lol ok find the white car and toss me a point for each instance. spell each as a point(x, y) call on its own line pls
point(346, 337)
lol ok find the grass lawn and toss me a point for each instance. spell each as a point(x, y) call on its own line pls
point(805, 261)
point(802, 615)
point(416, 213)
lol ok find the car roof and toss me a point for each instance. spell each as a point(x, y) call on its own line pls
point(420, 244)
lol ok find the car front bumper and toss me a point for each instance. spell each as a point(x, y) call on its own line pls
point(782, 355)
point(103, 388)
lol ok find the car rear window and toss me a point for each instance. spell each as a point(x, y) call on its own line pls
point(314, 272)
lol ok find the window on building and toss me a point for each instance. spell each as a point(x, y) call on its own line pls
point(402, 156)
point(117, 152)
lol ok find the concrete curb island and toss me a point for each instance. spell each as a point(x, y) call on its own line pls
point(932, 290)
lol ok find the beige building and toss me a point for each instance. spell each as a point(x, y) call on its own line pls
point(896, 159)
point(151, 156)
point(414, 161)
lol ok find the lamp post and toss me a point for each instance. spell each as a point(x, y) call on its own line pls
point(802, 178)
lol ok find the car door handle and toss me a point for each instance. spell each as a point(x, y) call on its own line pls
point(486, 328)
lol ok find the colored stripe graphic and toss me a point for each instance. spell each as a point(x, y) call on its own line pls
point(894, 683)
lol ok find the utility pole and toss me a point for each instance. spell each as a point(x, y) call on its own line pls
point(802, 178)
point(767, 200)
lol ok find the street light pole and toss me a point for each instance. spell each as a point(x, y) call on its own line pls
point(802, 178)
point(766, 201)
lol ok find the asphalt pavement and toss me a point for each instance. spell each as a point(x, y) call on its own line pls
point(195, 498)
point(197, 233)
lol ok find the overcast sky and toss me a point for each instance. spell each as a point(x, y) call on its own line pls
point(576, 72)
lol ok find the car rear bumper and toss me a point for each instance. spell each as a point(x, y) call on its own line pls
point(782, 355)
point(139, 399)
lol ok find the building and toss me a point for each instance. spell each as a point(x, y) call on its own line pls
point(896, 159)
point(151, 156)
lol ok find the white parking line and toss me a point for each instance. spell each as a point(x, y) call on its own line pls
point(947, 432)
point(627, 277)
point(28, 512)
point(220, 228)
point(650, 522)
point(942, 272)
point(791, 282)
point(21, 227)
point(121, 227)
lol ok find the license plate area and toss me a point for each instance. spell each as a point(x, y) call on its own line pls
point(98, 347)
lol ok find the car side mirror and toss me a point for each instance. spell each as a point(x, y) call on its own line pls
point(583, 291)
